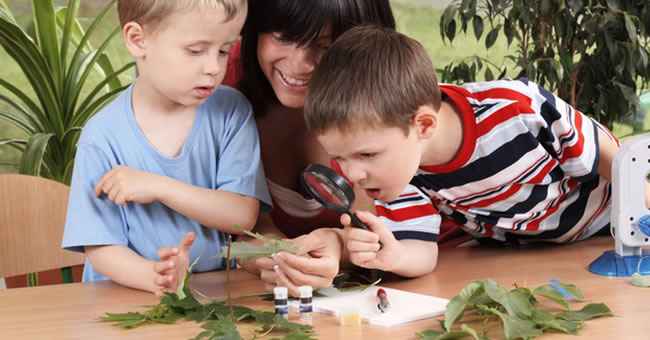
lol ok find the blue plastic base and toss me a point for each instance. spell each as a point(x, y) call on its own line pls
point(612, 264)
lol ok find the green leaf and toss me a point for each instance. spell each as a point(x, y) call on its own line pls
point(629, 94)
point(247, 251)
point(456, 306)
point(67, 25)
point(516, 302)
point(631, 28)
point(614, 5)
point(17, 121)
point(224, 329)
point(491, 37)
point(30, 162)
point(450, 30)
point(640, 281)
point(552, 294)
point(592, 310)
point(5, 12)
point(513, 326)
point(477, 24)
point(429, 334)
point(296, 335)
point(181, 291)
point(575, 291)
point(48, 41)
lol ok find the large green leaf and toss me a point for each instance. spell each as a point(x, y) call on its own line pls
point(39, 116)
point(88, 67)
point(98, 88)
point(27, 55)
point(104, 65)
point(66, 19)
point(5, 12)
point(17, 121)
point(590, 311)
point(48, 40)
point(82, 118)
point(30, 162)
point(70, 80)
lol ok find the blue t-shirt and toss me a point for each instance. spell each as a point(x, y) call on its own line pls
point(221, 152)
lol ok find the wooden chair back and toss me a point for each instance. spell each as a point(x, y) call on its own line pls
point(32, 219)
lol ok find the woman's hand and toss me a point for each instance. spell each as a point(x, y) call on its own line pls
point(316, 263)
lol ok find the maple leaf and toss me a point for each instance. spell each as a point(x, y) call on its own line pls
point(247, 251)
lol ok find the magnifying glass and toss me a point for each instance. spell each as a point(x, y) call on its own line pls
point(331, 190)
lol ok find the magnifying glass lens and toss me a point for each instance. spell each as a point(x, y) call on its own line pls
point(326, 189)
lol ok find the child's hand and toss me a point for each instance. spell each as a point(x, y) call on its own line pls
point(363, 246)
point(173, 265)
point(123, 185)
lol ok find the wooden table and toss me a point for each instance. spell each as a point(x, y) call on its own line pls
point(71, 311)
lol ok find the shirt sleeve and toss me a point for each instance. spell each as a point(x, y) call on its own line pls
point(91, 220)
point(411, 216)
point(240, 166)
point(570, 136)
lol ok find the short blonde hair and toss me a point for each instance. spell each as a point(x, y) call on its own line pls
point(153, 12)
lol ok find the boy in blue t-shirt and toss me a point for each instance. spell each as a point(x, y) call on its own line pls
point(506, 159)
point(175, 157)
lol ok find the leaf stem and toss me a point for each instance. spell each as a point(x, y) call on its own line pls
point(232, 314)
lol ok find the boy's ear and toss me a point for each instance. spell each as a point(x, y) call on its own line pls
point(134, 39)
point(426, 121)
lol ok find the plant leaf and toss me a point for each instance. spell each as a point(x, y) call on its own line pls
point(516, 302)
point(456, 306)
point(590, 311)
point(640, 281)
point(247, 251)
point(513, 326)
point(552, 294)
point(181, 290)
point(30, 162)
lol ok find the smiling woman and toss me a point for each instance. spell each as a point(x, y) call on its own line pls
point(282, 44)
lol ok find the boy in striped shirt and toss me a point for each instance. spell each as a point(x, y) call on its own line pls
point(506, 159)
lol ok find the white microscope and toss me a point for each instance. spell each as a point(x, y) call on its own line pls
point(630, 218)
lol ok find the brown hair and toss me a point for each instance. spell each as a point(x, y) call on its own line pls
point(152, 12)
point(370, 75)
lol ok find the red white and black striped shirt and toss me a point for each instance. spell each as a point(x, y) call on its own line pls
point(526, 170)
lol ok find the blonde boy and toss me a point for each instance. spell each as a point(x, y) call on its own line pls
point(175, 157)
point(506, 159)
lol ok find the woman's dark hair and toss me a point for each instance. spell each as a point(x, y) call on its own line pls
point(300, 21)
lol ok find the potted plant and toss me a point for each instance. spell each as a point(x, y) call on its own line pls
point(57, 60)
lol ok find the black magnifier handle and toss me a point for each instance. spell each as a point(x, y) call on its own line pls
point(357, 222)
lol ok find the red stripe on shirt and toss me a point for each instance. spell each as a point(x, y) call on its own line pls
point(406, 213)
point(576, 150)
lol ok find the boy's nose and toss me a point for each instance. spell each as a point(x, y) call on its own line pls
point(356, 173)
point(212, 67)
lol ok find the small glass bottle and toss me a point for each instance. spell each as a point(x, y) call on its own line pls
point(281, 301)
point(305, 304)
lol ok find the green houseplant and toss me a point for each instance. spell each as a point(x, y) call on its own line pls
point(57, 59)
point(592, 53)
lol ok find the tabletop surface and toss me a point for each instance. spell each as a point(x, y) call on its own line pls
point(71, 311)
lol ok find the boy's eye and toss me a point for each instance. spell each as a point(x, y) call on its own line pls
point(368, 154)
point(224, 52)
point(194, 51)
